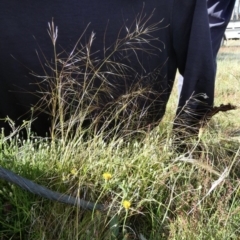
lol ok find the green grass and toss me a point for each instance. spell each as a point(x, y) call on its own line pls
point(171, 196)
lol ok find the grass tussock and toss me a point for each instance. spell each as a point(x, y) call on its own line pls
point(80, 95)
point(150, 190)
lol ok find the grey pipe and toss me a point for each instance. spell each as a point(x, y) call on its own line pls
point(47, 193)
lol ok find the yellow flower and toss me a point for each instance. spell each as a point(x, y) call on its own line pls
point(74, 171)
point(107, 176)
point(126, 204)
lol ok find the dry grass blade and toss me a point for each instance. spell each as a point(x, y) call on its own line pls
point(221, 108)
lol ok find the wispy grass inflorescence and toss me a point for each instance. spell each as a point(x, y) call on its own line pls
point(104, 95)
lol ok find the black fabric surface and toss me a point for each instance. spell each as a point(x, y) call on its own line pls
point(181, 40)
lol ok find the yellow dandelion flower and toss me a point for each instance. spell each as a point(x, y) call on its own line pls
point(126, 204)
point(74, 171)
point(107, 176)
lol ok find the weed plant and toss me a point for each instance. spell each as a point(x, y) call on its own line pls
point(150, 191)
